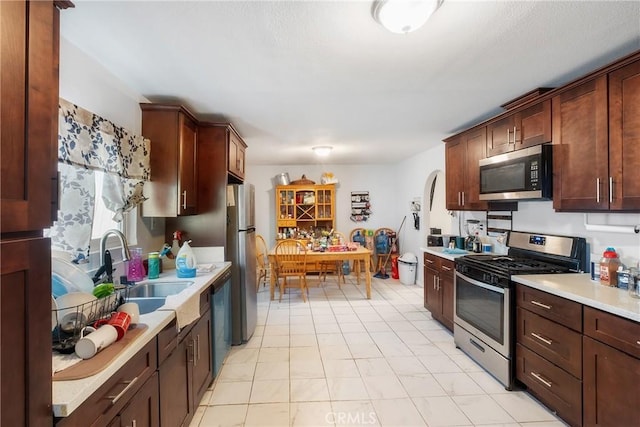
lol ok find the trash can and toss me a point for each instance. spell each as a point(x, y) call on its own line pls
point(407, 265)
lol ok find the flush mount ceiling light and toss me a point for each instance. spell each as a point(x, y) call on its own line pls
point(322, 150)
point(404, 16)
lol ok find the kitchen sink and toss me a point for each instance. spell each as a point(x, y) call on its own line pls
point(158, 289)
point(148, 305)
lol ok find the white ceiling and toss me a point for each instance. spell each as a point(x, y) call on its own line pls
point(294, 74)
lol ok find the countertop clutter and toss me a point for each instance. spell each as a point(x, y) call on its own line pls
point(580, 288)
point(69, 395)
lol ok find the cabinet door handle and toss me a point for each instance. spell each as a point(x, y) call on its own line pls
point(462, 197)
point(445, 268)
point(542, 380)
point(515, 129)
point(638, 342)
point(459, 200)
point(184, 199)
point(541, 338)
point(539, 304)
point(610, 189)
point(597, 190)
point(198, 346)
point(190, 352)
point(428, 260)
point(508, 136)
point(117, 397)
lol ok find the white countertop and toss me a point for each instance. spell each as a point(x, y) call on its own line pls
point(69, 395)
point(439, 251)
point(580, 288)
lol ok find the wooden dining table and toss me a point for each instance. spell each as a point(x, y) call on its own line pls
point(360, 254)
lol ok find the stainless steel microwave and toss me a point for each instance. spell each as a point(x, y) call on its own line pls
point(519, 175)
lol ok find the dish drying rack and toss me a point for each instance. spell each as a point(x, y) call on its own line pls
point(71, 320)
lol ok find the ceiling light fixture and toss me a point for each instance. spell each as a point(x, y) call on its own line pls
point(322, 150)
point(404, 16)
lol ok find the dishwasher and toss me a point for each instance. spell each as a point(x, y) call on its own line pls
point(221, 320)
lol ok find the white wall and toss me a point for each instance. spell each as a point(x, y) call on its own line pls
point(87, 84)
point(379, 180)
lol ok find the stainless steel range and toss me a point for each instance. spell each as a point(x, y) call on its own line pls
point(484, 315)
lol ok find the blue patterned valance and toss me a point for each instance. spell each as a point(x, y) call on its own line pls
point(90, 141)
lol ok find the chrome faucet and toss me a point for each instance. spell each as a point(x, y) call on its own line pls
point(126, 256)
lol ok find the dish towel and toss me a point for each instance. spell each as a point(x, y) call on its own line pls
point(454, 251)
point(186, 305)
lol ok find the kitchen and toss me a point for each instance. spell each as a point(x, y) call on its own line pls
point(97, 89)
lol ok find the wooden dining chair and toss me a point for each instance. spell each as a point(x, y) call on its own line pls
point(291, 262)
point(262, 262)
point(334, 267)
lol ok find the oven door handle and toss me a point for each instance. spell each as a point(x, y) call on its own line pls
point(481, 284)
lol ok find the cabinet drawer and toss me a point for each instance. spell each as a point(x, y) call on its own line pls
point(561, 310)
point(446, 268)
point(558, 390)
point(554, 342)
point(432, 261)
point(608, 328)
point(112, 396)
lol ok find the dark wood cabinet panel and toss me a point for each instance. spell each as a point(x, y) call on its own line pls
point(186, 373)
point(462, 156)
point(202, 374)
point(610, 390)
point(624, 137)
point(236, 163)
point(581, 153)
point(557, 389)
point(143, 410)
point(25, 362)
point(533, 125)
point(28, 112)
point(561, 310)
point(173, 188)
point(501, 136)
point(620, 333)
point(173, 376)
point(438, 289)
point(556, 343)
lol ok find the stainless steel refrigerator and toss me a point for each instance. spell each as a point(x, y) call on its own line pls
point(241, 251)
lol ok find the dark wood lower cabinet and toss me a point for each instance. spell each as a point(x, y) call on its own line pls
point(25, 337)
point(143, 410)
point(185, 375)
point(611, 386)
point(438, 289)
point(553, 386)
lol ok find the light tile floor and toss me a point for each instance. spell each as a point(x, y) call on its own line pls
point(341, 359)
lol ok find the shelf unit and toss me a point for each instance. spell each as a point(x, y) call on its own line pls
point(304, 207)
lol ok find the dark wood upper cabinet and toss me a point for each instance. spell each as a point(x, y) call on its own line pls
point(28, 112)
point(236, 152)
point(173, 187)
point(463, 154)
point(522, 129)
point(596, 136)
point(580, 152)
point(624, 137)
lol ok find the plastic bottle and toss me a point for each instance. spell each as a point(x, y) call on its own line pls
point(609, 267)
point(154, 265)
point(186, 262)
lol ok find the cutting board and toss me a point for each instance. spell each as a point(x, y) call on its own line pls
point(97, 363)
